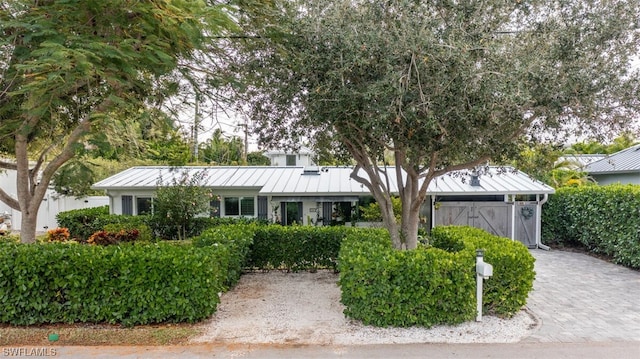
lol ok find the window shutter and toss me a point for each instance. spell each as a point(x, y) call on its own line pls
point(127, 205)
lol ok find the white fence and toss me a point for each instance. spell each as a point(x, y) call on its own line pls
point(51, 205)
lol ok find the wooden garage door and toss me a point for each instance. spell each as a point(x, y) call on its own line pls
point(494, 217)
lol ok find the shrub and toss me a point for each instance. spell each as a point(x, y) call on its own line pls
point(296, 248)
point(138, 232)
point(179, 203)
point(506, 292)
point(429, 286)
point(82, 223)
point(234, 242)
point(385, 287)
point(373, 213)
point(126, 284)
point(10, 238)
point(58, 235)
point(105, 238)
point(603, 219)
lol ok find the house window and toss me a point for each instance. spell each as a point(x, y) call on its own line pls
point(291, 160)
point(144, 205)
point(239, 206)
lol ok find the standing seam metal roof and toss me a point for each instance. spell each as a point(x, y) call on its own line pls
point(627, 160)
point(331, 181)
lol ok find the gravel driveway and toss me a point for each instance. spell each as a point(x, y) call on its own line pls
point(305, 308)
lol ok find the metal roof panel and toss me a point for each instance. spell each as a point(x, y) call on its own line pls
point(329, 181)
point(627, 160)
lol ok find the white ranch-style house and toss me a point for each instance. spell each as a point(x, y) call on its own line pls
point(507, 203)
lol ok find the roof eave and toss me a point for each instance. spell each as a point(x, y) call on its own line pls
point(609, 172)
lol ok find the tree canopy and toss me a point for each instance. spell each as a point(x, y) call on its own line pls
point(442, 85)
point(73, 68)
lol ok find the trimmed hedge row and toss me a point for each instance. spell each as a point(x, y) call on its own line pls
point(127, 284)
point(234, 241)
point(165, 230)
point(506, 292)
point(296, 248)
point(382, 286)
point(604, 219)
point(431, 286)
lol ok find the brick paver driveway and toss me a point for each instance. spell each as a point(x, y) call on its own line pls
point(579, 298)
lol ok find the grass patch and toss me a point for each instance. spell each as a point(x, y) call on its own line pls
point(99, 334)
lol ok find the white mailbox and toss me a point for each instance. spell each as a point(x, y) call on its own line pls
point(484, 269)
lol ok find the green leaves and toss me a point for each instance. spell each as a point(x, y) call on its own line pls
point(128, 284)
point(67, 66)
point(604, 219)
point(232, 243)
point(431, 286)
point(177, 204)
point(384, 287)
point(441, 85)
point(296, 248)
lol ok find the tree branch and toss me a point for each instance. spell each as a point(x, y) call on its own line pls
point(10, 201)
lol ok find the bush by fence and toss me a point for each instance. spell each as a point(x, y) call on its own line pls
point(127, 284)
point(604, 219)
point(82, 223)
point(430, 286)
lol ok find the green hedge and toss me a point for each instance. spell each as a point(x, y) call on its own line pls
point(604, 219)
point(82, 223)
point(430, 286)
point(127, 284)
point(506, 292)
point(234, 241)
point(296, 248)
point(382, 286)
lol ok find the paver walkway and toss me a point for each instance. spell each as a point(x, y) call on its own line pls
point(579, 298)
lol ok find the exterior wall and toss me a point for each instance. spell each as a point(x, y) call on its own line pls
point(623, 178)
point(115, 199)
point(281, 160)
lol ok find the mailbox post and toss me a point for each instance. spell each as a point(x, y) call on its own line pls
point(483, 270)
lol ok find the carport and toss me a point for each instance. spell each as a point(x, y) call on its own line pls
point(502, 201)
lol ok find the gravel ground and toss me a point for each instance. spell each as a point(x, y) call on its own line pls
point(304, 308)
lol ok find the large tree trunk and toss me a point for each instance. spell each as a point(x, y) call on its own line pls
point(30, 192)
point(28, 227)
point(32, 183)
point(412, 197)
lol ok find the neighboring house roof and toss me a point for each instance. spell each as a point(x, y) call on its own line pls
point(578, 161)
point(319, 181)
point(625, 161)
